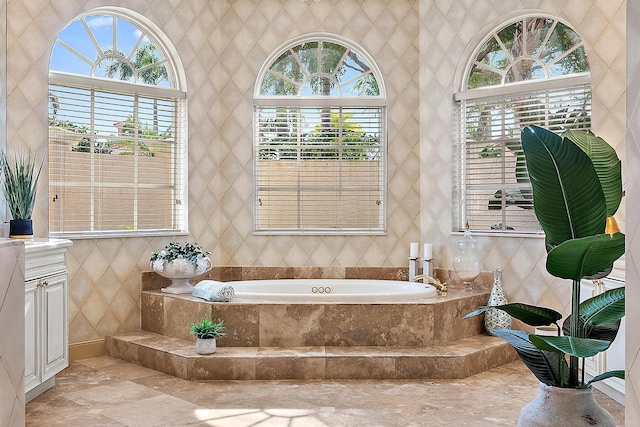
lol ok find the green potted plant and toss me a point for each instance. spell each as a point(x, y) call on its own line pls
point(577, 187)
point(180, 263)
point(206, 331)
point(19, 178)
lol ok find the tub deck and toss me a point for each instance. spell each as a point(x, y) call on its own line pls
point(424, 339)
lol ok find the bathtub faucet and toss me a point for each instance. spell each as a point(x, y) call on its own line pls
point(440, 287)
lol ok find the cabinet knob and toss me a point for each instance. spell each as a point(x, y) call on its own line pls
point(42, 283)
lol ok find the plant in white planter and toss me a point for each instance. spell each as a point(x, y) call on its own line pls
point(577, 187)
point(206, 332)
point(180, 263)
point(19, 177)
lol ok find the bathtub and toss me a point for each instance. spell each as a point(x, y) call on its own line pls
point(330, 290)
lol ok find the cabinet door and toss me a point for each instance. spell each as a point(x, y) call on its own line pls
point(55, 348)
point(31, 342)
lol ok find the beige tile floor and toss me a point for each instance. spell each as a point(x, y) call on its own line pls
point(104, 391)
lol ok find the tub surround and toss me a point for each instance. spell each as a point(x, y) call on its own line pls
point(250, 324)
point(427, 338)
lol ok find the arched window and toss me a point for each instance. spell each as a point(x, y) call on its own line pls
point(533, 70)
point(319, 140)
point(117, 140)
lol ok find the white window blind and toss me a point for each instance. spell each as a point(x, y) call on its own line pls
point(492, 184)
point(115, 162)
point(319, 169)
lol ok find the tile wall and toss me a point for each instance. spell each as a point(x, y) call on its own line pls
point(419, 46)
point(12, 398)
point(632, 339)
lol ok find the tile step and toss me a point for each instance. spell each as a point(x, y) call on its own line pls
point(177, 357)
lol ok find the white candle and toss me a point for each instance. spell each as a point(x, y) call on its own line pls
point(428, 251)
point(413, 251)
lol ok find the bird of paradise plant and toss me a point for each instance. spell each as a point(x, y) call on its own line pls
point(577, 188)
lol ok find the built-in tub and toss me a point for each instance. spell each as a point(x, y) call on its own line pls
point(330, 290)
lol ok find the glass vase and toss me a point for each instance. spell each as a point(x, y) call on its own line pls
point(466, 262)
point(496, 319)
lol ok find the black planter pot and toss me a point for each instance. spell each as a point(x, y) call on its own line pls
point(20, 228)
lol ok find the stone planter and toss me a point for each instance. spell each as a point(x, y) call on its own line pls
point(205, 345)
point(566, 407)
point(180, 271)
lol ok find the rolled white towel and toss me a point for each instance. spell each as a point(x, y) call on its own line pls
point(212, 290)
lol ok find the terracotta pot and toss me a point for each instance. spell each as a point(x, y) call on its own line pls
point(205, 345)
point(566, 407)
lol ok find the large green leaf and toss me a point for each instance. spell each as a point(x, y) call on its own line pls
point(578, 258)
point(604, 308)
point(606, 163)
point(549, 367)
point(600, 315)
point(568, 198)
point(606, 332)
point(619, 373)
point(529, 314)
point(573, 346)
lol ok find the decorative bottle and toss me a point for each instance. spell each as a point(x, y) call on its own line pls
point(496, 319)
point(466, 263)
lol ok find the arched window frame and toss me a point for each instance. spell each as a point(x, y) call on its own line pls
point(151, 207)
point(372, 193)
point(474, 189)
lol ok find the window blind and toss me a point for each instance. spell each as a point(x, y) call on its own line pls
point(115, 163)
point(492, 184)
point(319, 169)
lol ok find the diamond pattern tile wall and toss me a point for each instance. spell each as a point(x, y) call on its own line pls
point(419, 47)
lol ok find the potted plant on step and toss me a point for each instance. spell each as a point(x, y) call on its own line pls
point(206, 332)
point(19, 177)
point(180, 263)
point(577, 187)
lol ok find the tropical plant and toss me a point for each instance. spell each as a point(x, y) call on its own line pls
point(207, 328)
point(147, 66)
point(577, 187)
point(19, 178)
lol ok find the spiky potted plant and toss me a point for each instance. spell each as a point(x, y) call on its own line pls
point(206, 331)
point(577, 187)
point(19, 177)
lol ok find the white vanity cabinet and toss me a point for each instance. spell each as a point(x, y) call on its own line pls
point(45, 314)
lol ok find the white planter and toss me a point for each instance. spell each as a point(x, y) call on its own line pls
point(566, 407)
point(180, 271)
point(205, 345)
